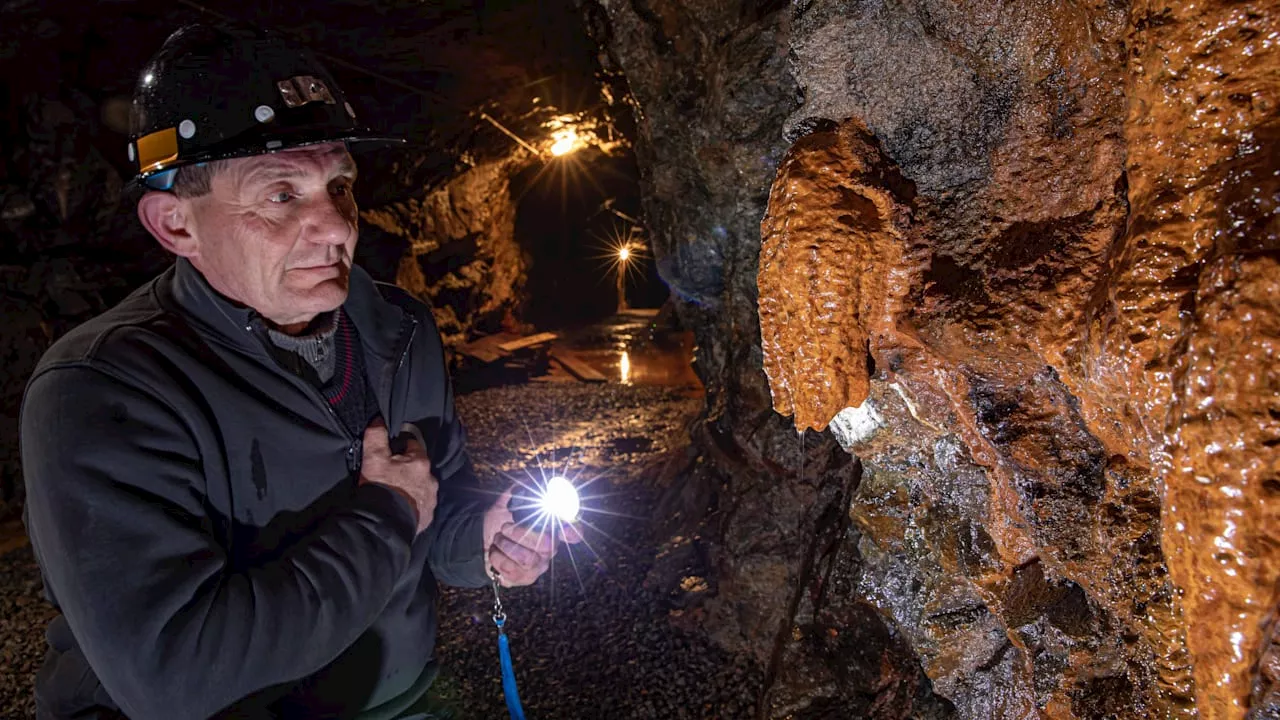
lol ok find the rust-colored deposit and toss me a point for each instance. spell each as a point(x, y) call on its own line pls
point(829, 270)
point(1197, 326)
point(1074, 363)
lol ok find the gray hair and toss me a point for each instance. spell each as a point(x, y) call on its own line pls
point(192, 181)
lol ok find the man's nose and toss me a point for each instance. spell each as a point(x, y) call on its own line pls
point(328, 221)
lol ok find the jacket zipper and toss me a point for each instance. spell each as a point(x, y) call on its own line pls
point(354, 445)
point(258, 330)
point(406, 341)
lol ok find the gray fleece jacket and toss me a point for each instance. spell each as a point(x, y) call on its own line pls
point(196, 515)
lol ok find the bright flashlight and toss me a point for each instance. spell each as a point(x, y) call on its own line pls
point(560, 500)
point(624, 254)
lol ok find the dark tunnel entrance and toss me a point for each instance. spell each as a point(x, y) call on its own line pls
point(571, 214)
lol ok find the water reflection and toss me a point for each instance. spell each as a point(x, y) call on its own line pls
point(635, 350)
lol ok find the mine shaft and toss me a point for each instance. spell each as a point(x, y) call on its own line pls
point(578, 359)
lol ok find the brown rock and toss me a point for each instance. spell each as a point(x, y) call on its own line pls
point(1192, 338)
point(1059, 325)
point(1084, 371)
point(462, 251)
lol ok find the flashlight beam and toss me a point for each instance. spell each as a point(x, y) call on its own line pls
point(581, 586)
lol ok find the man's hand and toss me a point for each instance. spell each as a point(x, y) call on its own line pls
point(519, 553)
point(408, 473)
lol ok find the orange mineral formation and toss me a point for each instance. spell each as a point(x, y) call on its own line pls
point(1198, 318)
point(827, 272)
point(1109, 371)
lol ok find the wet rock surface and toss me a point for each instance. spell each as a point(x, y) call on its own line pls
point(1021, 259)
point(1198, 320)
point(824, 297)
point(459, 249)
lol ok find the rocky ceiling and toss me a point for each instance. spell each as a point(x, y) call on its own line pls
point(1010, 268)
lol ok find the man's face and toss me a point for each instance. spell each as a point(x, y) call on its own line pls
point(278, 232)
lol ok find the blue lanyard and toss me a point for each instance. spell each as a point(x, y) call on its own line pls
point(509, 688)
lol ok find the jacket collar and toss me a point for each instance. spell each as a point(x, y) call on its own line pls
point(377, 321)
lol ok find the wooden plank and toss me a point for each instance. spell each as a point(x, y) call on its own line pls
point(487, 349)
point(577, 366)
point(641, 312)
point(555, 374)
point(483, 354)
point(525, 342)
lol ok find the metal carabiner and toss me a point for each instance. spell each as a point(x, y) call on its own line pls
point(499, 615)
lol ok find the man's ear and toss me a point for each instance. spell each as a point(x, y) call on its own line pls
point(168, 218)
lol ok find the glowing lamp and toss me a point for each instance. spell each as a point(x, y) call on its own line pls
point(560, 500)
point(564, 142)
point(624, 254)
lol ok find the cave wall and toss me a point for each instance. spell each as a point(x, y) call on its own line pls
point(459, 247)
point(1021, 260)
point(68, 247)
point(1196, 324)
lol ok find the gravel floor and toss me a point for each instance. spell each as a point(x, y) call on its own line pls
point(590, 641)
point(23, 617)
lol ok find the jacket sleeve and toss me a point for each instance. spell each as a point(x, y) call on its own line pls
point(115, 497)
point(456, 535)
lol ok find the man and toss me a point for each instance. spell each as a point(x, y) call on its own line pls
point(244, 481)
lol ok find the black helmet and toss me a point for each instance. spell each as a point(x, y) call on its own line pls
point(216, 93)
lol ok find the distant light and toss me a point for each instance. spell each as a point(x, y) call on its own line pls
point(564, 142)
point(624, 254)
point(148, 78)
point(624, 366)
point(560, 499)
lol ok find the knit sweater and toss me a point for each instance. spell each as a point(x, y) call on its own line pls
point(327, 355)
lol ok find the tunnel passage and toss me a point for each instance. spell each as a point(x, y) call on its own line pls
point(572, 214)
point(1042, 321)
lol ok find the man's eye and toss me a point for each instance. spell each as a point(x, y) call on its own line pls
point(283, 196)
point(342, 188)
